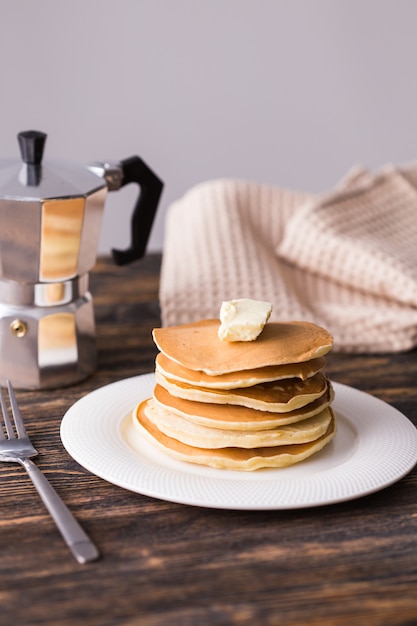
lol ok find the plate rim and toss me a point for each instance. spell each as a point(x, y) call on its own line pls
point(118, 444)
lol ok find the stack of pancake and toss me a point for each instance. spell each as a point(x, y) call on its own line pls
point(244, 405)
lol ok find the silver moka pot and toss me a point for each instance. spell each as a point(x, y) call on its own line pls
point(50, 221)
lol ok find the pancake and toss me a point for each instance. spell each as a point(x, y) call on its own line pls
point(232, 380)
point(205, 437)
point(234, 417)
point(235, 458)
point(197, 346)
point(278, 396)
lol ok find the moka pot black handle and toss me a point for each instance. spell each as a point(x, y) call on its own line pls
point(136, 171)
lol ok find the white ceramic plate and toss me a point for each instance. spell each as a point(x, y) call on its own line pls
point(375, 446)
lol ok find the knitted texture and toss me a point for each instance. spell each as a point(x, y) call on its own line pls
point(346, 260)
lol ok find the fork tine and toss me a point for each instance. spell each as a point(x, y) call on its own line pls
point(3, 410)
point(8, 424)
point(18, 420)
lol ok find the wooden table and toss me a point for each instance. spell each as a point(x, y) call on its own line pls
point(173, 564)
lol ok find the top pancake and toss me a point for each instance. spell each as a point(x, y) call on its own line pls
point(197, 346)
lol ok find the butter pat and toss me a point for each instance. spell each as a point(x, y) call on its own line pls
point(243, 319)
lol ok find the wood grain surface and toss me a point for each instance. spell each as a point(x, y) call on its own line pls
point(172, 564)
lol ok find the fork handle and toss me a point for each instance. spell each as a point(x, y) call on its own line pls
point(78, 542)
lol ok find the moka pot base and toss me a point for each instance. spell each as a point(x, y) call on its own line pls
point(47, 333)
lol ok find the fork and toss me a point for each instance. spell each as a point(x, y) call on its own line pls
point(19, 450)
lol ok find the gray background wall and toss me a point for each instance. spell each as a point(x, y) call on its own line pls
point(286, 92)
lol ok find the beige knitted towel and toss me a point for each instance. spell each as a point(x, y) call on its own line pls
point(346, 260)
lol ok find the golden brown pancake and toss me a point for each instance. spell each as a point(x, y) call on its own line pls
point(231, 457)
point(197, 346)
point(279, 396)
point(232, 380)
point(199, 436)
point(234, 417)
